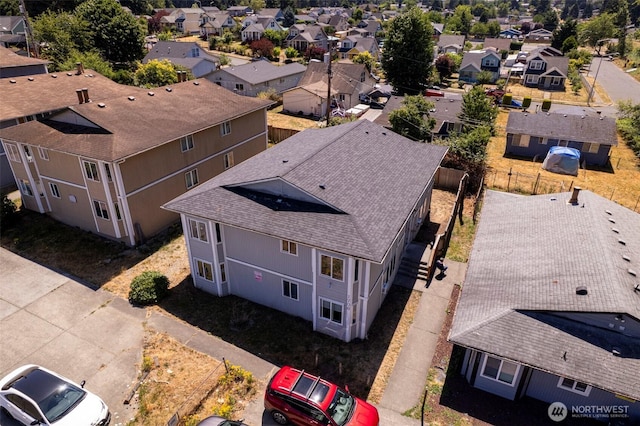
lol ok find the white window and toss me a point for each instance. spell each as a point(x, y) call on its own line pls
point(289, 247)
point(25, 188)
point(331, 311)
point(191, 178)
point(43, 153)
point(225, 128)
point(186, 143)
point(198, 230)
point(535, 65)
point(54, 190)
point(555, 81)
point(331, 267)
point(107, 171)
point(574, 386)
point(91, 171)
point(290, 289)
point(13, 153)
point(591, 148)
point(533, 79)
point(101, 209)
point(228, 160)
point(500, 370)
point(204, 270)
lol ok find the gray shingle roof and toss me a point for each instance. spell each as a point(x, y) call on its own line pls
point(128, 127)
point(579, 128)
point(345, 76)
point(261, 71)
point(529, 255)
point(372, 179)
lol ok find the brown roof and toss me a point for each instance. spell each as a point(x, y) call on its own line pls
point(127, 124)
point(8, 59)
point(346, 76)
point(40, 93)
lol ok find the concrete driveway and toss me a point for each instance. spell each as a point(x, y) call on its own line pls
point(49, 319)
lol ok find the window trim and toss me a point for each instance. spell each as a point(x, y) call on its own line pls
point(289, 247)
point(331, 267)
point(573, 389)
point(291, 284)
point(204, 263)
point(191, 176)
point(200, 228)
point(101, 212)
point(13, 152)
point(25, 188)
point(497, 378)
point(331, 305)
point(91, 170)
point(225, 128)
point(43, 153)
point(591, 148)
point(186, 143)
point(228, 160)
point(55, 191)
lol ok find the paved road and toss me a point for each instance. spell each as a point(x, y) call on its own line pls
point(618, 84)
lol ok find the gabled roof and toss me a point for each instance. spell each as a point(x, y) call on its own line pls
point(520, 302)
point(498, 43)
point(446, 111)
point(579, 128)
point(8, 23)
point(437, 28)
point(261, 71)
point(451, 40)
point(474, 58)
point(123, 127)
point(346, 76)
point(344, 188)
point(10, 59)
point(176, 49)
point(274, 12)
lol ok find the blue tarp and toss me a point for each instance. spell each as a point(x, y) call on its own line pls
point(561, 159)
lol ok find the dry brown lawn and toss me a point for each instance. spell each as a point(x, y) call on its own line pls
point(620, 183)
point(277, 118)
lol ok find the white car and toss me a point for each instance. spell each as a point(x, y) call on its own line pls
point(34, 395)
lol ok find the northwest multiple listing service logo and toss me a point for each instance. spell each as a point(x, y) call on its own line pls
point(557, 411)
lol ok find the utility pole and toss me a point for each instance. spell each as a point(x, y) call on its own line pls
point(28, 31)
point(329, 87)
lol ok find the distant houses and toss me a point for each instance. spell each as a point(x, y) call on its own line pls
point(258, 76)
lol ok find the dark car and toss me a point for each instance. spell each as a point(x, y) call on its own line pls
point(297, 397)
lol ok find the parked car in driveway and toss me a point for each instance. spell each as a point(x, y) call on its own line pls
point(297, 397)
point(34, 395)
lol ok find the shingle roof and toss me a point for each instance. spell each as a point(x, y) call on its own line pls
point(529, 255)
point(365, 181)
point(345, 76)
point(261, 71)
point(9, 59)
point(451, 40)
point(176, 50)
point(446, 110)
point(127, 127)
point(579, 128)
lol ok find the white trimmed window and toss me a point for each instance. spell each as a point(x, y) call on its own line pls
point(186, 143)
point(204, 270)
point(225, 128)
point(198, 230)
point(101, 209)
point(25, 188)
point(332, 267)
point(574, 386)
point(331, 311)
point(54, 189)
point(228, 160)
point(500, 370)
point(535, 65)
point(191, 178)
point(43, 153)
point(289, 247)
point(290, 289)
point(107, 171)
point(91, 171)
point(555, 81)
point(591, 148)
point(13, 153)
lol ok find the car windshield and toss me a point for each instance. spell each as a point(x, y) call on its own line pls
point(60, 401)
point(341, 407)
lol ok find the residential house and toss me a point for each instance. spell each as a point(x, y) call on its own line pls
point(448, 43)
point(253, 27)
point(353, 45)
point(510, 33)
point(302, 36)
point(348, 82)
point(474, 62)
point(539, 36)
point(446, 111)
point(315, 226)
point(236, 11)
point(214, 23)
point(184, 20)
point(551, 304)
point(107, 163)
point(531, 135)
point(259, 76)
point(274, 12)
point(14, 65)
point(371, 27)
point(12, 31)
point(546, 72)
point(339, 22)
point(438, 29)
point(306, 19)
point(501, 45)
point(189, 55)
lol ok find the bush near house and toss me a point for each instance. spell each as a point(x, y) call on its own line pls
point(148, 287)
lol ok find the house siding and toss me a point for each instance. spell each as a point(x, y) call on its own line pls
point(535, 148)
point(498, 388)
point(544, 387)
point(301, 101)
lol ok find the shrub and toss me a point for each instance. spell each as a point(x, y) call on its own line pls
point(506, 99)
point(148, 287)
point(546, 105)
point(8, 210)
point(526, 102)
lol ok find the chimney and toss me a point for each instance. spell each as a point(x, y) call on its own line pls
point(79, 68)
point(85, 95)
point(80, 98)
point(574, 196)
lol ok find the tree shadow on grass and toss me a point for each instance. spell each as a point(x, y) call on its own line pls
point(284, 339)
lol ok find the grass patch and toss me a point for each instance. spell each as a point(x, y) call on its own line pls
point(462, 238)
point(277, 118)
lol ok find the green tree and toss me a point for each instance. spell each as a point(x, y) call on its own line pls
point(550, 20)
point(357, 15)
point(61, 34)
point(155, 73)
point(289, 17)
point(276, 36)
point(569, 44)
point(116, 33)
point(257, 5)
point(484, 77)
point(9, 8)
point(412, 119)
point(478, 108)
point(596, 30)
point(408, 52)
point(568, 28)
point(460, 21)
point(90, 61)
point(364, 58)
point(629, 124)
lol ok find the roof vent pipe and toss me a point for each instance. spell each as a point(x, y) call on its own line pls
point(80, 98)
point(85, 95)
point(79, 68)
point(574, 196)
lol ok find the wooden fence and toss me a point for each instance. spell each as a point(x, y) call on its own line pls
point(278, 134)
